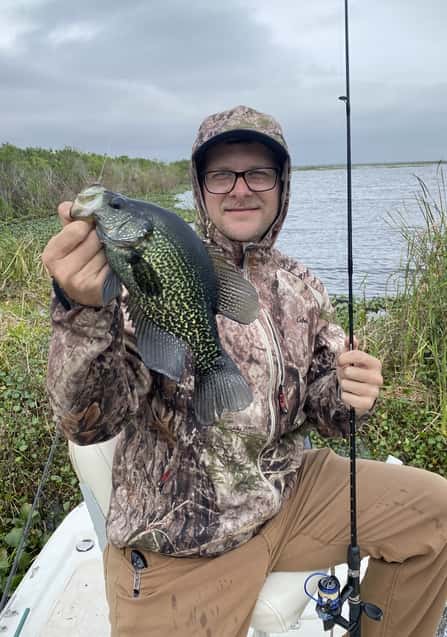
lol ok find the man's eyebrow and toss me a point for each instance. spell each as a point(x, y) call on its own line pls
point(251, 167)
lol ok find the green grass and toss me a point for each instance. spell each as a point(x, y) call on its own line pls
point(422, 311)
point(27, 430)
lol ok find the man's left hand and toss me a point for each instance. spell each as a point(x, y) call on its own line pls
point(360, 378)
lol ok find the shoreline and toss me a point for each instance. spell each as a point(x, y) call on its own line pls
point(391, 164)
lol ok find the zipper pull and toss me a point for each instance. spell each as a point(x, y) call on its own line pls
point(138, 562)
point(282, 401)
point(136, 583)
point(164, 478)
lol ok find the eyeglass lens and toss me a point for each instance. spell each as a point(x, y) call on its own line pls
point(257, 179)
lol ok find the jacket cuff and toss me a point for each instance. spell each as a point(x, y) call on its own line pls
point(62, 297)
point(66, 302)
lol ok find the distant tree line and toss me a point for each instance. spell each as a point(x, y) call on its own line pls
point(34, 180)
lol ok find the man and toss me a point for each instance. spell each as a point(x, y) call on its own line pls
point(199, 517)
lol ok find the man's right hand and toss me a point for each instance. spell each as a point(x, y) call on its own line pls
point(76, 259)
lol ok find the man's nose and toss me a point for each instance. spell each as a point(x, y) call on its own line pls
point(240, 187)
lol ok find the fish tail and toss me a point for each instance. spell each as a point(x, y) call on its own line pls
point(220, 388)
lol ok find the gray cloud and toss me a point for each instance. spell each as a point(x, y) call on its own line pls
point(138, 79)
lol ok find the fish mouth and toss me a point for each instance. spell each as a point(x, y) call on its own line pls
point(87, 203)
point(114, 226)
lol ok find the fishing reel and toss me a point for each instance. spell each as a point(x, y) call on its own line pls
point(330, 600)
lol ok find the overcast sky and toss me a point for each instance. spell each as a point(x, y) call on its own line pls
point(137, 78)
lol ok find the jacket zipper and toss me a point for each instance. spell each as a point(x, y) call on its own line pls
point(272, 383)
point(280, 397)
point(271, 393)
point(282, 400)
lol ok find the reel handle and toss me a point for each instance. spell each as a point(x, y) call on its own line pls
point(330, 602)
point(372, 611)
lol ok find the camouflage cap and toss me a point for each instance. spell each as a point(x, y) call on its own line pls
point(240, 123)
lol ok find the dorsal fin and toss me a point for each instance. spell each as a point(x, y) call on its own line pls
point(237, 298)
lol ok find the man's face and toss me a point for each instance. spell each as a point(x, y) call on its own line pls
point(242, 215)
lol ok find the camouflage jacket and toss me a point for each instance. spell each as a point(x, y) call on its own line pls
point(179, 489)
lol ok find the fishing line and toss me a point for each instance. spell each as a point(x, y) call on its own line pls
point(101, 174)
point(26, 530)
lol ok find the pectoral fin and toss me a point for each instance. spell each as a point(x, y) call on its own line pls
point(144, 275)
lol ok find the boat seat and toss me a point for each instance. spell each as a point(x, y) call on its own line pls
point(282, 599)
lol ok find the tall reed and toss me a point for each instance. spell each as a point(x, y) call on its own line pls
point(418, 317)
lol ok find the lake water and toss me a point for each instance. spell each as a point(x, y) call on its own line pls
point(315, 231)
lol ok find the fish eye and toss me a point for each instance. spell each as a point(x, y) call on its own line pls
point(117, 203)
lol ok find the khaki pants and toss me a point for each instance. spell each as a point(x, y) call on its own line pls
point(402, 526)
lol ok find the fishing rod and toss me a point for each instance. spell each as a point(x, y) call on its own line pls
point(330, 598)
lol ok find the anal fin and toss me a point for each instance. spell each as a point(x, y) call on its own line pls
point(161, 351)
point(221, 388)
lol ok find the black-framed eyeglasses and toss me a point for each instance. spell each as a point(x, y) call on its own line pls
point(221, 182)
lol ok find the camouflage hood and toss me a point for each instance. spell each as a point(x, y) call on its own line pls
point(241, 122)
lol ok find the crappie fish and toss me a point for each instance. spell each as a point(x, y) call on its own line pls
point(176, 286)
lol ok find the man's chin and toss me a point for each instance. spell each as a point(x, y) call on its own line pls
point(243, 235)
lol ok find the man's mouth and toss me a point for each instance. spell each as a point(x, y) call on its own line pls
point(240, 209)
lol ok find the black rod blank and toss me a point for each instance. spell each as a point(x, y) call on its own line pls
point(355, 608)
